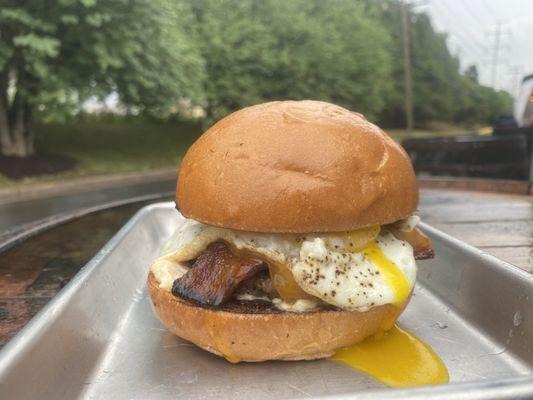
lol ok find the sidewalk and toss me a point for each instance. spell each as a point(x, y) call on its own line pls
point(20, 206)
point(79, 185)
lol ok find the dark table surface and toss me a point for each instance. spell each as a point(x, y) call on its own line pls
point(34, 270)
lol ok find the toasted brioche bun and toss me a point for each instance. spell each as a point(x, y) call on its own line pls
point(296, 166)
point(248, 334)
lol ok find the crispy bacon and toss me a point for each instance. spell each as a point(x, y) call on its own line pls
point(424, 254)
point(258, 285)
point(215, 275)
point(422, 246)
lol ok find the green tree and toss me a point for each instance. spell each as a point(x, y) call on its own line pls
point(54, 54)
point(483, 104)
point(441, 92)
point(472, 74)
point(257, 51)
point(436, 77)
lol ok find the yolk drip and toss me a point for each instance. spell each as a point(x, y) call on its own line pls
point(390, 273)
point(396, 358)
point(220, 342)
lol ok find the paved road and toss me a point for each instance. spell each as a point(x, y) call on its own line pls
point(23, 212)
point(498, 223)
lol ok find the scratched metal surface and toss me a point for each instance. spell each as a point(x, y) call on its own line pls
point(98, 338)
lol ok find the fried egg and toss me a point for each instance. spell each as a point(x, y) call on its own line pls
point(351, 270)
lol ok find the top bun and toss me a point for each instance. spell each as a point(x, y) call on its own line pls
point(296, 166)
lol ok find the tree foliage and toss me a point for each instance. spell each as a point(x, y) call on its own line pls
point(274, 49)
point(441, 92)
point(54, 54)
point(224, 55)
point(347, 52)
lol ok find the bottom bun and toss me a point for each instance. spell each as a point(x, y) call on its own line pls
point(257, 331)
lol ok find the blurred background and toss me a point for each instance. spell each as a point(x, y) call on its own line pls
point(99, 99)
point(100, 94)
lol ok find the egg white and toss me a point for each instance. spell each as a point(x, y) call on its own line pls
point(348, 280)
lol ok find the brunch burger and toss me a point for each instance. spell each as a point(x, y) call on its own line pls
point(297, 238)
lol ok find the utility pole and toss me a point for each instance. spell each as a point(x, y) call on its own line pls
point(408, 79)
point(496, 53)
point(516, 73)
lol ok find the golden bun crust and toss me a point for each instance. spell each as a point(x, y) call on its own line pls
point(240, 336)
point(296, 166)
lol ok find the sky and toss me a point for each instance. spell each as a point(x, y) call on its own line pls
point(472, 26)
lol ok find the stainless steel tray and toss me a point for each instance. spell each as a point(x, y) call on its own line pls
point(99, 339)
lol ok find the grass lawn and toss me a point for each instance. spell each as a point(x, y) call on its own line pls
point(127, 146)
point(437, 129)
point(112, 147)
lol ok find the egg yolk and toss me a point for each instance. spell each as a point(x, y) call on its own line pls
point(390, 272)
point(285, 284)
point(355, 241)
point(396, 358)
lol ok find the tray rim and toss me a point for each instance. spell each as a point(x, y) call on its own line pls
point(506, 388)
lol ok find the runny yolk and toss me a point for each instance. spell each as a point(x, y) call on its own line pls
point(396, 358)
point(390, 272)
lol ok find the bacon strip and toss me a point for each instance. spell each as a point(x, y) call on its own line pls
point(215, 275)
point(258, 285)
point(424, 254)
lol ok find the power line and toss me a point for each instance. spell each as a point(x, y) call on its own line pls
point(496, 51)
point(517, 17)
point(470, 51)
point(473, 14)
point(489, 9)
point(515, 73)
point(465, 43)
point(488, 48)
point(463, 37)
point(407, 69)
point(457, 16)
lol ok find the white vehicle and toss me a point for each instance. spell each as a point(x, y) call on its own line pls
point(523, 109)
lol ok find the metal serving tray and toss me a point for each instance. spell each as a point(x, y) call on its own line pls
point(98, 338)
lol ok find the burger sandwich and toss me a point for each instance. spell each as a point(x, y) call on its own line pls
point(296, 236)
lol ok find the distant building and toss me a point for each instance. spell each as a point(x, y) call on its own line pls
point(523, 109)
